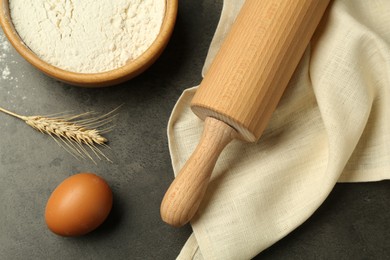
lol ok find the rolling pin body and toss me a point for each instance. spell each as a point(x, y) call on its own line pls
point(244, 85)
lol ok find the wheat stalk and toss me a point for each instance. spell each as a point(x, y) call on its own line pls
point(76, 132)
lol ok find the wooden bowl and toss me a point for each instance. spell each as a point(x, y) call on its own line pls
point(109, 78)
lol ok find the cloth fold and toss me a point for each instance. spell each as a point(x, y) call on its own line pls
point(331, 125)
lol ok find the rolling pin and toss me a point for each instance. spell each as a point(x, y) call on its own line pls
point(241, 90)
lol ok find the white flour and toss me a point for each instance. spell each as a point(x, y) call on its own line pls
point(4, 48)
point(87, 36)
point(4, 51)
point(5, 73)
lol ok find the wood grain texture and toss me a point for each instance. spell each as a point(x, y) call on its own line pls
point(183, 197)
point(242, 89)
point(255, 63)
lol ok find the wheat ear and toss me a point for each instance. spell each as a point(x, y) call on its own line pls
point(76, 132)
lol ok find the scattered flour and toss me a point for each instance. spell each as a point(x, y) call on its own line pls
point(4, 51)
point(5, 73)
point(87, 36)
point(4, 48)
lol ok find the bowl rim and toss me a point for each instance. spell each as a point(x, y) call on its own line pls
point(101, 79)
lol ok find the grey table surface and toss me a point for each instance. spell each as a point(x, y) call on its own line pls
point(353, 223)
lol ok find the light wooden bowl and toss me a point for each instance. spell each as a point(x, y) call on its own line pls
point(109, 78)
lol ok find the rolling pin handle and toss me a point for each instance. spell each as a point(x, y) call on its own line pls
point(183, 197)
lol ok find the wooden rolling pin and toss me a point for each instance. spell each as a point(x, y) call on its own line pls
point(242, 89)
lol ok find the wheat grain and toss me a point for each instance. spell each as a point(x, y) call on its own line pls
point(76, 132)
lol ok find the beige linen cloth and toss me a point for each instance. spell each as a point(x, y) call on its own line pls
point(331, 125)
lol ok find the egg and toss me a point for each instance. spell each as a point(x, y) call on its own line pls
point(78, 205)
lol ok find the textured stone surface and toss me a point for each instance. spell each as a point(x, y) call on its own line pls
point(352, 224)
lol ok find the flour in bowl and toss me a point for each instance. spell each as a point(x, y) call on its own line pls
point(87, 36)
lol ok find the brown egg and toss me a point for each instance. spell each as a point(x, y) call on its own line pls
point(78, 205)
